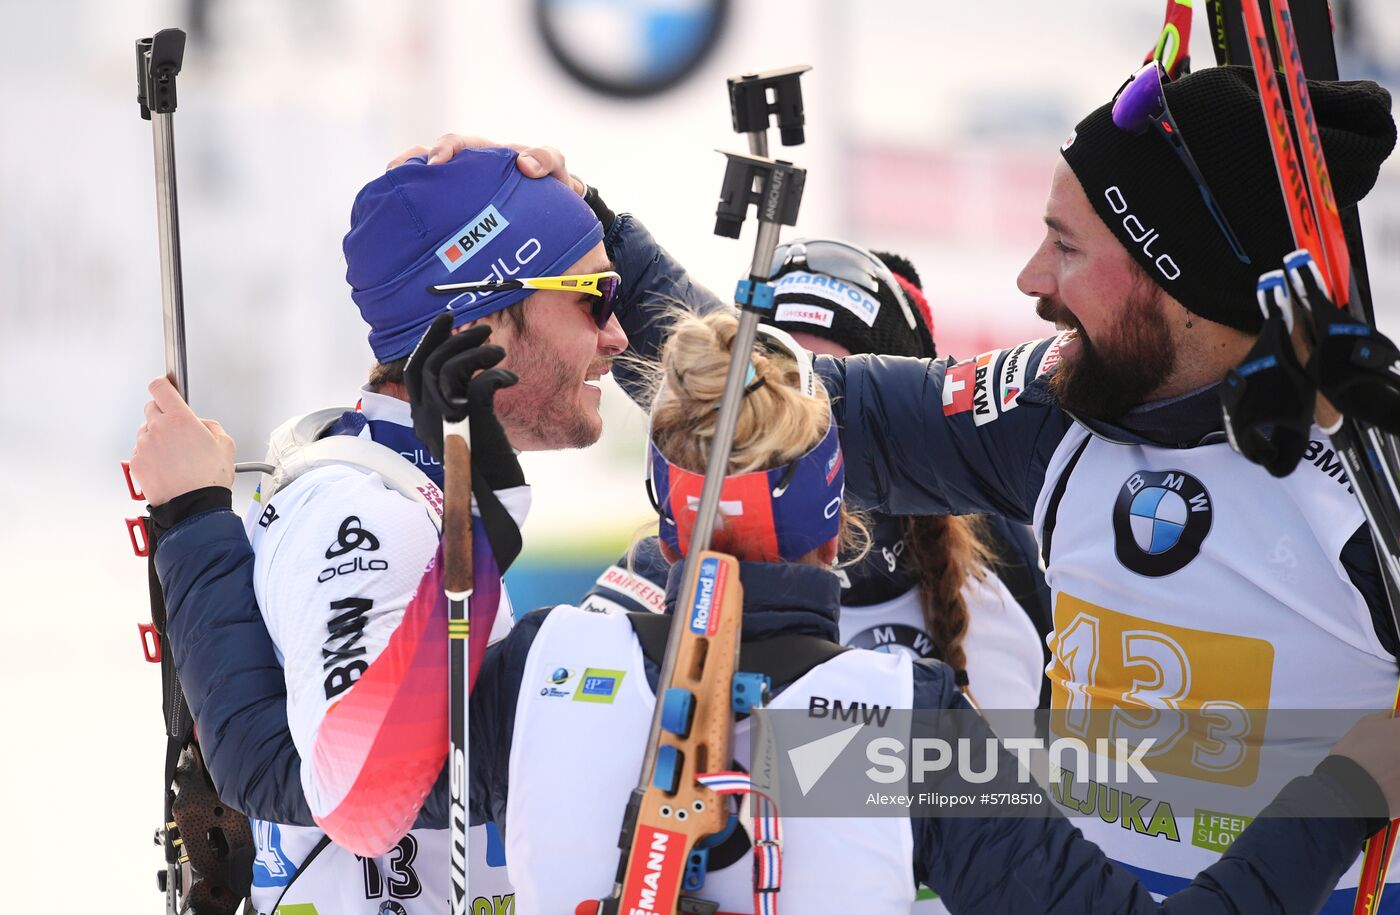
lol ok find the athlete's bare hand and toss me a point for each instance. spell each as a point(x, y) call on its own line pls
point(177, 452)
point(1374, 744)
point(533, 161)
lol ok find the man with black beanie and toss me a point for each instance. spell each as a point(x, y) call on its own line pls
point(1183, 576)
point(1179, 266)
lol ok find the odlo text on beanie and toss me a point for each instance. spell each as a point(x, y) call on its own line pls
point(1149, 201)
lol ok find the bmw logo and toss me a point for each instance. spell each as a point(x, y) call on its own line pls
point(392, 908)
point(1160, 519)
point(630, 48)
point(895, 638)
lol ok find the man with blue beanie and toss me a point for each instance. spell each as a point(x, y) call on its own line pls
point(479, 220)
point(340, 538)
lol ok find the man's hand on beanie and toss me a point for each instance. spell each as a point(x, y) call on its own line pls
point(533, 162)
point(177, 452)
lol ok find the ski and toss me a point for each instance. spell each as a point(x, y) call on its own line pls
point(1312, 27)
point(1173, 48)
point(1316, 226)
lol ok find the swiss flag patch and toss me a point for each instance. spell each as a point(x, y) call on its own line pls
point(957, 388)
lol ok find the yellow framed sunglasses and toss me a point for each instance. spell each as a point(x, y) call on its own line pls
point(604, 286)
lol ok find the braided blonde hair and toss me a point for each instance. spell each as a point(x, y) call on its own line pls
point(944, 552)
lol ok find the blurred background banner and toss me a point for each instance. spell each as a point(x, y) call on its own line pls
point(932, 131)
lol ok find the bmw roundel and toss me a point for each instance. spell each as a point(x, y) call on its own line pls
point(630, 48)
point(895, 638)
point(1160, 519)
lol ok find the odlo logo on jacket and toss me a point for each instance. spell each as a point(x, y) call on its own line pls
point(351, 537)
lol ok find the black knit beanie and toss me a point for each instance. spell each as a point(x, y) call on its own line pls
point(843, 313)
point(1142, 191)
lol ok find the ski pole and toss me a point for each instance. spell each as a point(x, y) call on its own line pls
point(457, 584)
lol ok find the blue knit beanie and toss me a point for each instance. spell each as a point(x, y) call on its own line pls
point(473, 218)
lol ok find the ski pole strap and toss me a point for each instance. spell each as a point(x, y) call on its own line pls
point(767, 837)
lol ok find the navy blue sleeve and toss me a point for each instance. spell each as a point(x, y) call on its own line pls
point(1287, 860)
point(228, 667)
point(1363, 568)
point(926, 437)
point(654, 288)
point(637, 581)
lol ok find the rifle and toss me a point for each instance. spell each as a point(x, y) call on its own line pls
point(678, 802)
point(208, 845)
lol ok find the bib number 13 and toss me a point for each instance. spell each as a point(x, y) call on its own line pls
point(1117, 678)
point(403, 882)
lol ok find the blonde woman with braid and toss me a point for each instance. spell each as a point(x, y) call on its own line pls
point(968, 590)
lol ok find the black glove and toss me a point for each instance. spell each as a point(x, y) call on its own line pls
point(1268, 400)
point(600, 209)
point(451, 377)
point(1355, 366)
